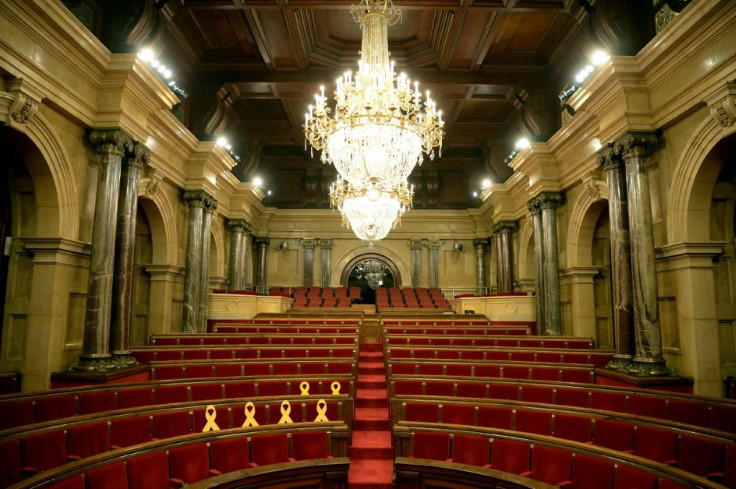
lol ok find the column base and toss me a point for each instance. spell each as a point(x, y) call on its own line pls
point(93, 364)
point(649, 367)
point(669, 383)
point(78, 378)
point(124, 360)
point(620, 363)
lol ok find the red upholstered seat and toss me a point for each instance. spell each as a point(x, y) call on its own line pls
point(195, 355)
point(16, 413)
point(149, 470)
point(206, 391)
point(551, 465)
point(495, 417)
point(408, 387)
point(198, 371)
point(577, 375)
point(430, 369)
point(130, 431)
point(9, 462)
point(515, 372)
point(504, 391)
point(422, 411)
point(188, 464)
point(439, 388)
point(729, 474)
point(668, 484)
point(690, 412)
point(537, 393)
point(112, 476)
point(656, 444)
point(276, 388)
point(167, 394)
point(459, 370)
point(269, 449)
point(239, 389)
point(701, 456)
point(42, 451)
point(229, 455)
point(471, 389)
point(129, 398)
point(170, 424)
point(591, 472)
point(723, 418)
point(610, 401)
point(572, 427)
point(471, 449)
point(434, 446)
point(630, 478)
point(651, 406)
point(307, 445)
point(55, 407)
point(510, 456)
point(458, 414)
point(530, 421)
point(565, 396)
point(76, 482)
point(615, 435)
point(87, 439)
point(96, 402)
point(261, 369)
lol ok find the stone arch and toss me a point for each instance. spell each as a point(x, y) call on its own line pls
point(392, 260)
point(62, 194)
point(163, 225)
point(695, 174)
point(527, 270)
point(218, 251)
point(583, 218)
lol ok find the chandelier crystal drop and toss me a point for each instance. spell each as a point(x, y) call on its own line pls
point(377, 131)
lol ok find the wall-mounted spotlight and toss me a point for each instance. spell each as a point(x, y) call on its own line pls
point(283, 245)
point(459, 246)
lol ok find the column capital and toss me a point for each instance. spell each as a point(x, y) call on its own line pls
point(634, 144)
point(196, 198)
point(416, 244)
point(545, 200)
point(309, 244)
point(238, 225)
point(723, 108)
point(608, 159)
point(138, 157)
point(111, 141)
point(481, 242)
point(433, 244)
point(326, 243)
point(504, 227)
point(262, 241)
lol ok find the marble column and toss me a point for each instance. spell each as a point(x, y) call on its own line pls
point(111, 146)
point(204, 282)
point(502, 232)
point(416, 245)
point(193, 270)
point(648, 359)
point(248, 263)
point(434, 274)
point(308, 275)
point(621, 281)
point(326, 246)
point(262, 244)
point(480, 265)
point(122, 297)
point(536, 211)
point(236, 274)
point(548, 202)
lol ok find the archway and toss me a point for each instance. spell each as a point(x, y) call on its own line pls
point(143, 257)
point(356, 273)
point(602, 287)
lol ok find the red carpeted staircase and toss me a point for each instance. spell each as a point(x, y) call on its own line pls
point(371, 454)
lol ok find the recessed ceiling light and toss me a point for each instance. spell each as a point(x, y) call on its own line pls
point(257, 181)
point(599, 57)
point(486, 183)
point(146, 55)
point(522, 143)
point(222, 141)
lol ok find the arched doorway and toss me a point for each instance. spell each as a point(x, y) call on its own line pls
point(602, 287)
point(369, 272)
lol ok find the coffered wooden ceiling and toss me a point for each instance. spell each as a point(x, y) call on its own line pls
point(494, 67)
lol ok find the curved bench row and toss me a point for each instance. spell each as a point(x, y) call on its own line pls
point(564, 342)
point(41, 448)
point(214, 339)
point(147, 354)
point(291, 320)
point(232, 368)
point(700, 452)
point(190, 458)
point(458, 330)
point(558, 462)
point(25, 409)
point(716, 414)
point(597, 358)
point(492, 369)
point(268, 329)
point(386, 321)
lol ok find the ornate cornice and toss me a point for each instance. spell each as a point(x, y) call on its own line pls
point(723, 110)
point(25, 101)
point(634, 144)
point(545, 200)
point(607, 159)
point(196, 198)
point(112, 141)
point(139, 156)
point(504, 227)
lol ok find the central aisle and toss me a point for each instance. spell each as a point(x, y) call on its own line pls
point(371, 454)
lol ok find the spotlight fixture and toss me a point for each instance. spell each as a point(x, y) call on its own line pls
point(283, 245)
point(459, 246)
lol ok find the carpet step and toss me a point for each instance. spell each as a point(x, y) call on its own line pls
point(371, 413)
point(374, 356)
point(372, 384)
point(371, 347)
point(371, 474)
point(377, 402)
point(372, 453)
point(372, 368)
point(371, 424)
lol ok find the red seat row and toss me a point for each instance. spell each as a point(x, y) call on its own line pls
point(52, 405)
point(436, 322)
point(704, 412)
point(565, 342)
point(597, 358)
point(214, 369)
point(563, 373)
point(220, 327)
point(214, 339)
point(457, 330)
point(148, 354)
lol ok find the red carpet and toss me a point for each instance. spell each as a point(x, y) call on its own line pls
point(371, 454)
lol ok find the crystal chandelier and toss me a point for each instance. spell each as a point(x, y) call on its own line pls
point(377, 132)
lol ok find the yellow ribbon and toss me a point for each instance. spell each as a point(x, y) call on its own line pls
point(210, 414)
point(321, 411)
point(304, 387)
point(250, 412)
point(335, 388)
point(285, 412)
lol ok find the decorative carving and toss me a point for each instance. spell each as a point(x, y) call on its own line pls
point(536, 113)
point(635, 144)
point(433, 244)
point(416, 244)
point(663, 18)
point(566, 114)
point(482, 243)
point(543, 200)
point(196, 198)
point(504, 227)
point(25, 101)
point(325, 243)
point(309, 244)
point(591, 187)
point(139, 157)
point(724, 110)
point(240, 225)
point(111, 141)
